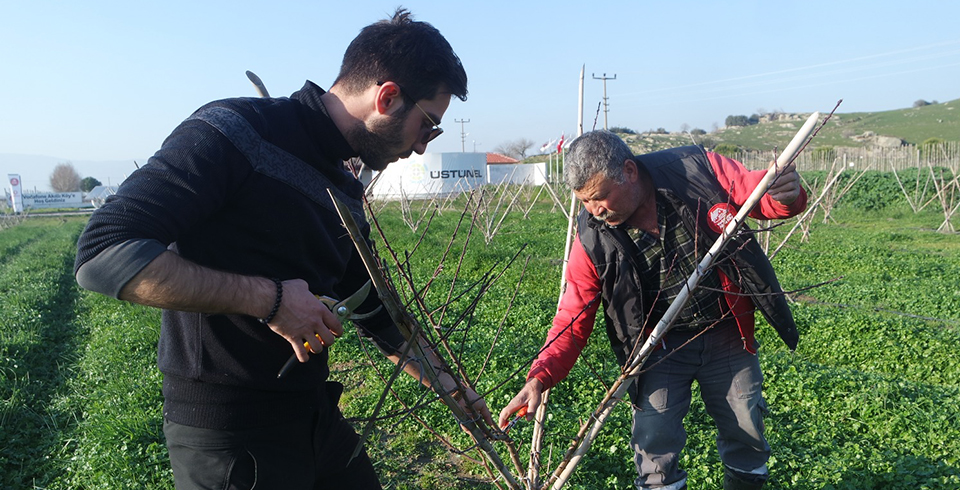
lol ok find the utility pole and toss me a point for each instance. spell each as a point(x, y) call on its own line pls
point(463, 134)
point(606, 106)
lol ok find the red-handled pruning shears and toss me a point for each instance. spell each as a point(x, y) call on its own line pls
point(519, 414)
point(344, 311)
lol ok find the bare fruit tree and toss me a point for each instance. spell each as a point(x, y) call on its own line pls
point(516, 149)
point(65, 178)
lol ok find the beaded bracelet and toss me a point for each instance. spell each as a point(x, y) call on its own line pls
point(276, 305)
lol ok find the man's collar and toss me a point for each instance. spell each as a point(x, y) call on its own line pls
point(336, 146)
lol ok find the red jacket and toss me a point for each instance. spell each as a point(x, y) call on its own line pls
point(582, 293)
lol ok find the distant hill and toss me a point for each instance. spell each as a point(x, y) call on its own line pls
point(857, 129)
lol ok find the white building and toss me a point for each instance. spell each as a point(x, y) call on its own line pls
point(439, 174)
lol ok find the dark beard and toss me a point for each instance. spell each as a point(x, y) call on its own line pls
point(380, 144)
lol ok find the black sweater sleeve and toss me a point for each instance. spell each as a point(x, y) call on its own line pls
point(186, 181)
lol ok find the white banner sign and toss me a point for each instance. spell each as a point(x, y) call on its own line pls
point(430, 174)
point(53, 200)
point(16, 198)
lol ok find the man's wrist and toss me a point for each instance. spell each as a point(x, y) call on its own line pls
point(278, 298)
point(447, 385)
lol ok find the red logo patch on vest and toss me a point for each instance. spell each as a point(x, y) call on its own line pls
point(719, 215)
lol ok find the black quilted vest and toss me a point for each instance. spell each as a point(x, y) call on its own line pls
point(687, 173)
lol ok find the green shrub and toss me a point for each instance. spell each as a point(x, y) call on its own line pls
point(732, 121)
point(727, 150)
point(824, 153)
point(931, 147)
point(874, 191)
point(88, 183)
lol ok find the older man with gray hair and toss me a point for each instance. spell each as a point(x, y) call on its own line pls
point(647, 221)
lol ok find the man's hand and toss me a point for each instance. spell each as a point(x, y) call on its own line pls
point(472, 403)
point(786, 187)
point(172, 282)
point(529, 396)
point(302, 318)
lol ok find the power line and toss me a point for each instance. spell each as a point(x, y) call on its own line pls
point(606, 105)
point(845, 66)
point(463, 134)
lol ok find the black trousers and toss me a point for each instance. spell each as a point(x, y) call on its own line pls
point(307, 454)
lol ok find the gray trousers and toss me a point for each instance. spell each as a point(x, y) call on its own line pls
point(730, 385)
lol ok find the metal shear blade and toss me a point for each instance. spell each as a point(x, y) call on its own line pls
point(344, 310)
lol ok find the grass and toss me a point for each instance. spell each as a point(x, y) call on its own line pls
point(117, 442)
point(875, 380)
point(38, 346)
point(871, 398)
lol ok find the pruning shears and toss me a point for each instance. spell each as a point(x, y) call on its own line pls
point(519, 414)
point(344, 309)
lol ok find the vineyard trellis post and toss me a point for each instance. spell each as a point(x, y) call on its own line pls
point(947, 195)
point(536, 443)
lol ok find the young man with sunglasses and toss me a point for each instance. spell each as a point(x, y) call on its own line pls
point(230, 230)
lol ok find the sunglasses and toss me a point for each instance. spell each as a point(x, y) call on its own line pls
point(435, 129)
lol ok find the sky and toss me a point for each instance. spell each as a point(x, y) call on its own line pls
point(100, 83)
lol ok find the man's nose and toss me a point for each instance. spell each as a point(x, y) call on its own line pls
point(419, 147)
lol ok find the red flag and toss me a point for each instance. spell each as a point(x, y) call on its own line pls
point(560, 144)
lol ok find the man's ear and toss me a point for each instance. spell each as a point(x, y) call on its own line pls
point(630, 171)
point(388, 98)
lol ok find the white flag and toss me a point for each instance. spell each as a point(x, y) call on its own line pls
point(547, 146)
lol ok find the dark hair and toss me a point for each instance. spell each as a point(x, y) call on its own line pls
point(412, 54)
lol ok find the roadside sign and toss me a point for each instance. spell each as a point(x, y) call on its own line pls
point(16, 197)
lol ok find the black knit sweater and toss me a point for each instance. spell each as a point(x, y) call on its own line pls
point(240, 186)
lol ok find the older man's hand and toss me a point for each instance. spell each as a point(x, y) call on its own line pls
point(786, 187)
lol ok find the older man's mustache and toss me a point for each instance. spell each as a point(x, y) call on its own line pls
point(602, 217)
